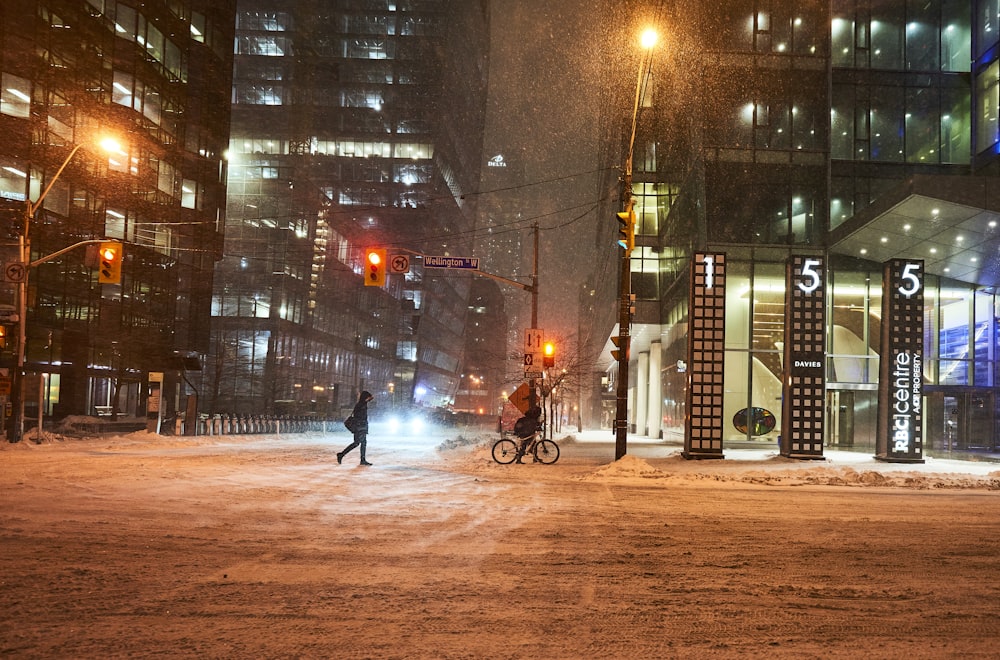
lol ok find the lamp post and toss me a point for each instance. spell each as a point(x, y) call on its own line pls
point(647, 41)
point(30, 209)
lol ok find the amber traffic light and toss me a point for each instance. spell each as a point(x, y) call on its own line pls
point(109, 267)
point(375, 264)
point(626, 230)
point(549, 354)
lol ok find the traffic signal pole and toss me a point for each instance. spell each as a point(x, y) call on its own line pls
point(624, 323)
point(625, 311)
point(18, 392)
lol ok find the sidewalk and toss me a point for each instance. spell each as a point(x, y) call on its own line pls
point(600, 441)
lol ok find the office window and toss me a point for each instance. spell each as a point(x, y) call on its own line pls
point(886, 41)
point(956, 35)
point(369, 24)
point(262, 45)
point(258, 94)
point(988, 32)
point(369, 49)
point(267, 21)
point(12, 178)
point(922, 38)
point(988, 87)
point(842, 123)
point(645, 265)
point(842, 41)
point(886, 118)
point(15, 96)
point(915, 36)
point(956, 128)
point(922, 125)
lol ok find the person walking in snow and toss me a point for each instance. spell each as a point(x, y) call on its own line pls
point(359, 428)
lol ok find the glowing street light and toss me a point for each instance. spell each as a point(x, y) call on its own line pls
point(30, 209)
point(647, 41)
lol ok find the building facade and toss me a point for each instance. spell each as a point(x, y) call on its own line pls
point(153, 77)
point(483, 384)
point(356, 124)
point(852, 133)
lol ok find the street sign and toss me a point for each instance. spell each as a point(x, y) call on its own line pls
point(14, 271)
point(521, 398)
point(399, 263)
point(466, 263)
point(532, 353)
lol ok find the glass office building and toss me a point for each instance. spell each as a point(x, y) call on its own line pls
point(356, 124)
point(855, 131)
point(155, 77)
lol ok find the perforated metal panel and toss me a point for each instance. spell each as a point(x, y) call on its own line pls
point(804, 382)
point(706, 356)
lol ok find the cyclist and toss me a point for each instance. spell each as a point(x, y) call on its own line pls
point(526, 427)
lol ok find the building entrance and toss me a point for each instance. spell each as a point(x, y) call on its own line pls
point(851, 419)
point(961, 419)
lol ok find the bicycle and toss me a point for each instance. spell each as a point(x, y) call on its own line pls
point(544, 451)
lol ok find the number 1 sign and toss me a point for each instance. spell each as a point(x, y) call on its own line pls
point(706, 356)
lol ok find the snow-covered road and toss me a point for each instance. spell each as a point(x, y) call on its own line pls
point(262, 546)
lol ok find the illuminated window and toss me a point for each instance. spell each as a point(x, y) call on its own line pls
point(15, 96)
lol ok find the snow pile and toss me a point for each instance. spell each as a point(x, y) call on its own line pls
point(626, 467)
point(846, 476)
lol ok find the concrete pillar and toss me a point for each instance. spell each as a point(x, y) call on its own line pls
point(641, 393)
point(655, 405)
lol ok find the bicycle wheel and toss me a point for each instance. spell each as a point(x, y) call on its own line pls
point(504, 451)
point(546, 452)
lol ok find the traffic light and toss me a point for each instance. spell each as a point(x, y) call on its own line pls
point(626, 229)
point(375, 267)
point(109, 267)
point(549, 354)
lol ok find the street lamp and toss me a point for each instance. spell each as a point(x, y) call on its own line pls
point(30, 209)
point(647, 41)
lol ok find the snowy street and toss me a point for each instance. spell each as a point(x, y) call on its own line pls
point(263, 547)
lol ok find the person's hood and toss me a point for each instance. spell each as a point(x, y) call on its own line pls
point(365, 395)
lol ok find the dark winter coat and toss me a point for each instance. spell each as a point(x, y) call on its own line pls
point(360, 413)
point(528, 425)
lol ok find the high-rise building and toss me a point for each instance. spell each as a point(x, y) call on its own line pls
point(356, 124)
point(155, 77)
point(483, 380)
point(851, 134)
